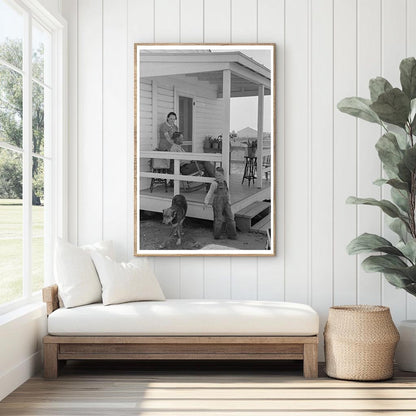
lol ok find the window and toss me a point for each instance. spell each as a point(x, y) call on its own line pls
point(30, 148)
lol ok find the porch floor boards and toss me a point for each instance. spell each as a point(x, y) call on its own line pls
point(222, 388)
point(238, 191)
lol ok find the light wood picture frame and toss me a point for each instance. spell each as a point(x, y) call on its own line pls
point(205, 150)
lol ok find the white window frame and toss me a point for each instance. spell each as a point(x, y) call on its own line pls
point(58, 211)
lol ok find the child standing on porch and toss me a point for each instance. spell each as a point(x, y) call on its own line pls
point(221, 206)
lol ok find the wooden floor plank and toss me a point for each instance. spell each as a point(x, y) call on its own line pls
point(86, 389)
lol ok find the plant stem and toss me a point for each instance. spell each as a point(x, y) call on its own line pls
point(412, 196)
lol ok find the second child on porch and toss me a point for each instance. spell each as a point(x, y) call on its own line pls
point(219, 195)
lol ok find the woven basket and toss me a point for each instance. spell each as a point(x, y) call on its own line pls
point(360, 341)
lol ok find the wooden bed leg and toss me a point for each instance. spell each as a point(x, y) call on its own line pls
point(50, 360)
point(310, 360)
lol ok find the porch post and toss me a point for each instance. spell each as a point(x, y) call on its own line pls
point(226, 94)
point(260, 113)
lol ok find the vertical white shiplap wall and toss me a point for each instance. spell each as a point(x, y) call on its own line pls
point(326, 50)
point(345, 152)
point(90, 121)
point(115, 156)
point(321, 154)
point(297, 146)
point(368, 163)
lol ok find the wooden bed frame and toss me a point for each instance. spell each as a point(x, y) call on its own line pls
point(58, 349)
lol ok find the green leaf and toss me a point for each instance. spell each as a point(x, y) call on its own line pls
point(389, 151)
point(380, 182)
point(400, 228)
point(400, 198)
point(366, 243)
point(389, 208)
point(378, 86)
point(408, 77)
point(401, 139)
point(408, 249)
point(410, 158)
point(385, 262)
point(359, 107)
point(392, 107)
point(404, 173)
point(398, 184)
point(397, 280)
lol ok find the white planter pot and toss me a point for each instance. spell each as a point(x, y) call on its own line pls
point(406, 349)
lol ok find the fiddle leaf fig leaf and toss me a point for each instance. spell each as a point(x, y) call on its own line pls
point(400, 198)
point(408, 77)
point(378, 86)
point(398, 184)
point(408, 249)
point(389, 151)
point(380, 182)
point(359, 107)
point(388, 207)
point(366, 243)
point(392, 107)
point(410, 158)
point(381, 263)
point(400, 228)
point(397, 280)
point(402, 139)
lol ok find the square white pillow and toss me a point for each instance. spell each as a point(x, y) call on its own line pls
point(126, 282)
point(75, 273)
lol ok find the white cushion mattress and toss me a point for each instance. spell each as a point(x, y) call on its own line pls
point(186, 317)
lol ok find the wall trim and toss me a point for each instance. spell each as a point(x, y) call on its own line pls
point(11, 379)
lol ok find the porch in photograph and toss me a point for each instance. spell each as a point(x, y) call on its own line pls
point(198, 85)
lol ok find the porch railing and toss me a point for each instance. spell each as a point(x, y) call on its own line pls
point(177, 157)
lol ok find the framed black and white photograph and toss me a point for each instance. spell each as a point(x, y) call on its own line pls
point(205, 149)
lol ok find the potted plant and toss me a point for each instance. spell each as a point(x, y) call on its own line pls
point(394, 109)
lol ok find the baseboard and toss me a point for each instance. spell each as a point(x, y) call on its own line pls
point(10, 380)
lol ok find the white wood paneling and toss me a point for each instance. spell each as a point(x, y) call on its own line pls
point(115, 157)
point(90, 127)
point(321, 156)
point(191, 21)
point(297, 198)
point(368, 163)
point(345, 152)
point(70, 11)
point(326, 50)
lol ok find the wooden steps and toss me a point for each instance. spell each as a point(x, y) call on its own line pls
point(263, 225)
point(255, 213)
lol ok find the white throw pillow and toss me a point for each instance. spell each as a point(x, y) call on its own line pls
point(126, 282)
point(75, 273)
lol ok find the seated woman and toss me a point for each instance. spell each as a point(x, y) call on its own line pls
point(166, 130)
point(188, 168)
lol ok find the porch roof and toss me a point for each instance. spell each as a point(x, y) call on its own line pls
point(246, 73)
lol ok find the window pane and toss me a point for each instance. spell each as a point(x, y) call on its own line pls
point(38, 229)
point(41, 46)
point(38, 118)
point(11, 34)
point(11, 226)
point(11, 106)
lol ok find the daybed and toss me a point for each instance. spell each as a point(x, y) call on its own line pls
point(180, 329)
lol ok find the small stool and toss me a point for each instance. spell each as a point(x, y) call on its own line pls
point(250, 169)
point(155, 181)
